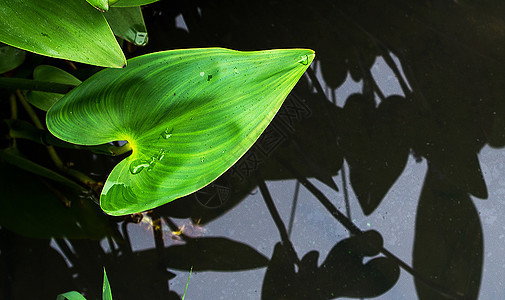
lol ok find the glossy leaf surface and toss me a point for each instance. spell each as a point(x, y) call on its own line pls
point(71, 30)
point(102, 5)
point(73, 295)
point(107, 293)
point(44, 100)
point(128, 24)
point(189, 115)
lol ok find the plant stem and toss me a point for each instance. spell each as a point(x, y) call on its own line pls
point(34, 85)
point(36, 121)
point(14, 114)
point(346, 193)
point(29, 110)
point(293, 208)
point(187, 283)
point(14, 107)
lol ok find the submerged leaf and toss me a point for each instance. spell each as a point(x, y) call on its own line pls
point(10, 58)
point(15, 158)
point(40, 212)
point(189, 115)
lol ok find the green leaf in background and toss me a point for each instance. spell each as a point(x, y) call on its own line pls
point(102, 5)
point(128, 24)
point(10, 58)
point(71, 30)
point(189, 115)
point(45, 100)
point(73, 295)
point(130, 3)
point(107, 293)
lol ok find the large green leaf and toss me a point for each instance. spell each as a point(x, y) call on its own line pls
point(189, 115)
point(69, 29)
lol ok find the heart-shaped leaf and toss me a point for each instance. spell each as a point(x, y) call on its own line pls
point(189, 115)
point(71, 30)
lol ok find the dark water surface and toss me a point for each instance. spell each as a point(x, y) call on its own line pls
point(398, 126)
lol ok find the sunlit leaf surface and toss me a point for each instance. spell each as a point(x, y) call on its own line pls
point(71, 30)
point(107, 293)
point(189, 115)
point(100, 4)
point(73, 295)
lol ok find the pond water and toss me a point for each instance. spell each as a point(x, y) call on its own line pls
point(395, 133)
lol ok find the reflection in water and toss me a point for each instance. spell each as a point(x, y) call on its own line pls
point(408, 94)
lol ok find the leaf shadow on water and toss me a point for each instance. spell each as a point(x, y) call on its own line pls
point(451, 77)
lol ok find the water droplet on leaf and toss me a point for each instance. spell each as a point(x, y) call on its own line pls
point(167, 133)
point(161, 154)
point(235, 70)
point(202, 74)
point(141, 38)
point(304, 60)
point(138, 165)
